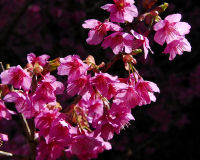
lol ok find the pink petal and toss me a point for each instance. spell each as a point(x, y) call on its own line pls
point(108, 7)
point(173, 18)
point(90, 23)
point(182, 28)
point(94, 37)
point(159, 25)
point(160, 37)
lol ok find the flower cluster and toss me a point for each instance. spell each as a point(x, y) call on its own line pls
point(103, 102)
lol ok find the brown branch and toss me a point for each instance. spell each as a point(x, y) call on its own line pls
point(111, 62)
point(30, 134)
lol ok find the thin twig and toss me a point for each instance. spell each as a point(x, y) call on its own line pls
point(2, 67)
point(11, 155)
point(111, 62)
point(30, 134)
point(75, 101)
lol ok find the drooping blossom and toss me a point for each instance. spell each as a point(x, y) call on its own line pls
point(146, 90)
point(177, 46)
point(4, 112)
point(99, 30)
point(43, 121)
point(113, 121)
point(87, 146)
point(72, 66)
point(23, 103)
point(50, 151)
point(104, 83)
point(47, 89)
point(122, 115)
point(122, 10)
point(141, 40)
point(59, 131)
point(17, 77)
point(79, 86)
point(170, 29)
point(119, 42)
point(128, 97)
point(41, 60)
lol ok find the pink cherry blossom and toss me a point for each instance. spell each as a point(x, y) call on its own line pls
point(41, 60)
point(79, 86)
point(72, 66)
point(23, 103)
point(128, 97)
point(59, 131)
point(122, 115)
point(17, 77)
point(104, 83)
point(43, 121)
point(121, 11)
point(177, 46)
point(99, 30)
point(170, 28)
point(47, 89)
point(146, 91)
point(50, 151)
point(87, 146)
point(4, 112)
point(141, 40)
point(119, 42)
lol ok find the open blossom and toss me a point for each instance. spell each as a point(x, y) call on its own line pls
point(99, 30)
point(87, 146)
point(119, 42)
point(4, 112)
point(128, 97)
point(177, 47)
point(104, 83)
point(23, 103)
point(41, 60)
point(170, 29)
point(17, 77)
point(72, 66)
point(121, 11)
point(79, 86)
point(141, 40)
point(146, 91)
point(43, 121)
point(50, 151)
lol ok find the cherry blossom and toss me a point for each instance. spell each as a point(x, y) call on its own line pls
point(99, 30)
point(121, 11)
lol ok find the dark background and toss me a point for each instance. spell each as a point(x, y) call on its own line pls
point(167, 129)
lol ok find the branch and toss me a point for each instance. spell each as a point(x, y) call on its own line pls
point(111, 62)
point(30, 134)
point(8, 154)
point(75, 101)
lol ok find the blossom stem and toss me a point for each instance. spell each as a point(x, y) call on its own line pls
point(75, 101)
point(30, 134)
point(111, 62)
point(2, 67)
